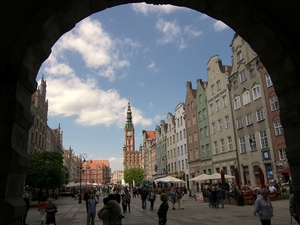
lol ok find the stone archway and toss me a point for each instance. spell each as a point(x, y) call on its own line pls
point(30, 28)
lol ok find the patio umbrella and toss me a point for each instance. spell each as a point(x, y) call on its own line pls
point(145, 182)
point(237, 177)
point(261, 177)
point(169, 179)
point(222, 177)
point(245, 178)
point(71, 184)
point(200, 177)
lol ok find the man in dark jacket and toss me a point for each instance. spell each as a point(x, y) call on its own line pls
point(144, 195)
point(163, 209)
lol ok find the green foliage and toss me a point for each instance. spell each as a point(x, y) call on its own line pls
point(46, 170)
point(133, 174)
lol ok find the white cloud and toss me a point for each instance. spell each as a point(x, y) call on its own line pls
point(219, 26)
point(149, 8)
point(171, 32)
point(97, 49)
point(191, 32)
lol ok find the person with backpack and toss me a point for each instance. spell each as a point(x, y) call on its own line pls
point(128, 199)
point(151, 198)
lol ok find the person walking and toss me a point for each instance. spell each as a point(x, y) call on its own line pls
point(163, 209)
point(42, 208)
point(180, 194)
point(114, 209)
point(92, 204)
point(220, 197)
point(98, 195)
point(263, 207)
point(152, 198)
point(104, 215)
point(144, 195)
point(294, 210)
point(51, 209)
point(27, 202)
point(173, 197)
point(128, 199)
point(124, 203)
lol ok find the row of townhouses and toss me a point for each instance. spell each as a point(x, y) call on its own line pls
point(230, 122)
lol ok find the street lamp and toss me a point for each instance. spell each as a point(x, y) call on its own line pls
point(80, 171)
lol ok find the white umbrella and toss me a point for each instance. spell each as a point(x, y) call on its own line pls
point(71, 184)
point(169, 179)
point(216, 176)
point(200, 177)
point(78, 184)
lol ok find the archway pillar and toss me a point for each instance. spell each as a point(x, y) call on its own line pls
point(15, 120)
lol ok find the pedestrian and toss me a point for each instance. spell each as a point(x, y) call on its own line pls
point(151, 198)
point(86, 197)
point(220, 197)
point(27, 203)
point(42, 209)
point(124, 203)
point(144, 195)
point(173, 197)
point(98, 194)
point(51, 209)
point(114, 210)
point(163, 209)
point(128, 199)
point(104, 215)
point(294, 210)
point(180, 194)
point(263, 207)
point(92, 204)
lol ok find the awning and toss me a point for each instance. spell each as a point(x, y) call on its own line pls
point(286, 170)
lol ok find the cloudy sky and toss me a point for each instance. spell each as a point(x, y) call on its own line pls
point(137, 52)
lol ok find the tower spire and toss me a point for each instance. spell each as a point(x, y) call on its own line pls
point(129, 124)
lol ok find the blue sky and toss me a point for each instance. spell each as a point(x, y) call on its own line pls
point(140, 52)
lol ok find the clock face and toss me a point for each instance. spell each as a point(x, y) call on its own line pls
point(129, 133)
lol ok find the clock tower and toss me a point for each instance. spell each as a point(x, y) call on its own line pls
point(131, 157)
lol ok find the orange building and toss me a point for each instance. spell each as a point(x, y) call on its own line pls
point(96, 171)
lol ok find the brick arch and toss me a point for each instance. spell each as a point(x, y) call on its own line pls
point(30, 28)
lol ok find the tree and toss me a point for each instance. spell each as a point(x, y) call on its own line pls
point(46, 171)
point(133, 174)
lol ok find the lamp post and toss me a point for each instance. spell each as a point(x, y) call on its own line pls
point(80, 171)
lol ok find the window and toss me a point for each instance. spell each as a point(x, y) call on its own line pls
point(203, 150)
point(224, 101)
point(242, 145)
point(192, 104)
point(206, 131)
point(201, 133)
point(191, 155)
point(177, 122)
point(237, 102)
point(239, 123)
point(173, 138)
point(252, 73)
point(239, 56)
point(213, 89)
point(268, 80)
point(263, 139)
point(196, 153)
point(227, 122)
point(256, 92)
point(213, 128)
point(194, 120)
point(195, 136)
point(200, 116)
point(278, 128)
point(235, 84)
point(260, 115)
point(177, 137)
point(218, 85)
point(183, 133)
point(180, 135)
point(246, 97)
point(200, 99)
point(252, 142)
point(207, 150)
point(216, 147)
point(243, 76)
point(189, 122)
point(185, 150)
point(190, 138)
point(282, 154)
point(181, 150)
point(249, 119)
point(230, 145)
point(189, 107)
point(204, 113)
point(220, 125)
point(274, 103)
point(217, 105)
point(182, 164)
point(222, 144)
point(211, 109)
point(181, 121)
